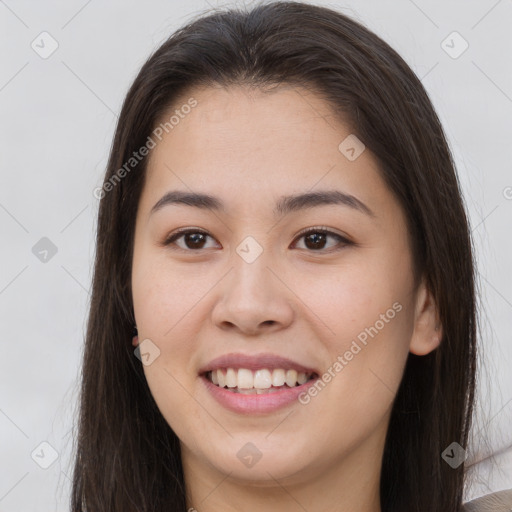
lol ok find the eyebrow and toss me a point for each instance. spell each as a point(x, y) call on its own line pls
point(284, 205)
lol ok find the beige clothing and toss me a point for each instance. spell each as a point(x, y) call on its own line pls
point(500, 501)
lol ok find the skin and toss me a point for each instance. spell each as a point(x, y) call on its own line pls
point(249, 147)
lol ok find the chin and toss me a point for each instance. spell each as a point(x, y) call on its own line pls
point(259, 461)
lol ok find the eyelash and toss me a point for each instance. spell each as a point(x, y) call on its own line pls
point(317, 229)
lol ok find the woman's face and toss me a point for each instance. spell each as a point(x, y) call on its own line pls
point(258, 295)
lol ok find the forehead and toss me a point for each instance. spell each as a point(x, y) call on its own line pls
point(241, 139)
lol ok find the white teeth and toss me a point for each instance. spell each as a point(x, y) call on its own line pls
point(231, 378)
point(278, 377)
point(291, 378)
point(221, 378)
point(245, 379)
point(302, 377)
point(260, 381)
point(251, 391)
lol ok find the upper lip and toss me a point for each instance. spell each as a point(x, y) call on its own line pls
point(255, 362)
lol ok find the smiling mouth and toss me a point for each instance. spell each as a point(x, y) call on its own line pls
point(258, 382)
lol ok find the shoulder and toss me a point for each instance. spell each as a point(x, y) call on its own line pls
point(500, 501)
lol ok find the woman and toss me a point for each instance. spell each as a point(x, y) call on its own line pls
point(282, 222)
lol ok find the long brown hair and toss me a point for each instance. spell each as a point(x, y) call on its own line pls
point(127, 456)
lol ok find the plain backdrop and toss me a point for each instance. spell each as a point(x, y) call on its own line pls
point(58, 114)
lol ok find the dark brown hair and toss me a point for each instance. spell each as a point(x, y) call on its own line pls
point(127, 456)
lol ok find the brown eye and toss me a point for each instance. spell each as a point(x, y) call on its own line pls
point(192, 239)
point(315, 239)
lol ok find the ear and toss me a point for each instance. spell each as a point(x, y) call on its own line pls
point(428, 331)
point(135, 341)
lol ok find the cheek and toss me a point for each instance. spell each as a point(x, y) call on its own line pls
point(346, 301)
point(164, 305)
point(163, 295)
point(167, 305)
point(365, 328)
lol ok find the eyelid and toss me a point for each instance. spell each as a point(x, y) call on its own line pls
point(322, 229)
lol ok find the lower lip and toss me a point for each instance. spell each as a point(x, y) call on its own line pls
point(254, 404)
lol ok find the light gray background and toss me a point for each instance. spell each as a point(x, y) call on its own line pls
point(57, 120)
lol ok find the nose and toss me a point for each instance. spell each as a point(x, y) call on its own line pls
point(253, 298)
